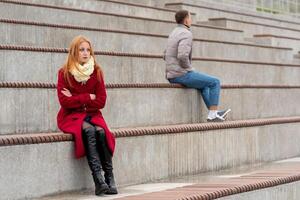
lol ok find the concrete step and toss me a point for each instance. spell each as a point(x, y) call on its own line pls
point(277, 180)
point(254, 28)
point(104, 20)
point(113, 7)
point(205, 10)
point(31, 159)
point(125, 102)
point(42, 64)
point(278, 40)
point(31, 34)
point(159, 4)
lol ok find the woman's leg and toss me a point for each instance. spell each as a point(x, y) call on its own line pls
point(92, 155)
point(106, 161)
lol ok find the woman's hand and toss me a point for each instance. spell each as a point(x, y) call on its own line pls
point(66, 92)
point(93, 96)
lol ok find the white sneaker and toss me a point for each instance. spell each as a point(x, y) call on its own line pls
point(224, 113)
point(217, 118)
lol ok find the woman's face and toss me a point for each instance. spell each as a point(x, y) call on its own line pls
point(84, 52)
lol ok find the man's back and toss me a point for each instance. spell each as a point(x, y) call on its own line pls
point(178, 52)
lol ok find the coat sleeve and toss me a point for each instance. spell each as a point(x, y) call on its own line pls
point(100, 93)
point(75, 101)
point(184, 50)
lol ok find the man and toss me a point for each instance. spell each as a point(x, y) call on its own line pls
point(178, 56)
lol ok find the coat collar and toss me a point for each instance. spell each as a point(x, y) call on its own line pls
point(184, 26)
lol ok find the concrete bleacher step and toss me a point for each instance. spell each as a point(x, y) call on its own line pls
point(41, 34)
point(254, 28)
point(278, 40)
point(205, 10)
point(279, 180)
point(156, 100)
point(104, 20)
point(41, 64)
point(114, 7)
point(276, 180)
point(31, 159)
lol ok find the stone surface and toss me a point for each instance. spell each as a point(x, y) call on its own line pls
point(144, 158)
point(23, 12)
point(44, 67)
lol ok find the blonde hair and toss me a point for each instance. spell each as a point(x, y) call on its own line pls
point(73, 59)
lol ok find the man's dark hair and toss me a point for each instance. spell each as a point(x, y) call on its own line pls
point(181, 15)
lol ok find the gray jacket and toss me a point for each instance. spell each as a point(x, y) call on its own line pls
point(178, 53)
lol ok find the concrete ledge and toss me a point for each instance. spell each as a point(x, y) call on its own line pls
point(143, 55)
point(137, 158)
point(38, 138)
point(109, 6)
point(80, 17)
point(205, 9)
point(266, 187)
point(122, 67)
point(276, 36)
point(255, 23)
point(253, 28)
point(125, 102)
point(94, 29)
point(21, 32)
point(278, 40)
point(288, 191)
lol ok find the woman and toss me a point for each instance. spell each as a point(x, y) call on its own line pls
point(81, 93)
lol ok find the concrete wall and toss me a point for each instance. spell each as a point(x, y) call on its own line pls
point(141, 70)
point(111, 41)
point(144, 107)
point(253, 29)
point(41, 169)
point(147, 25)
point(205, 10)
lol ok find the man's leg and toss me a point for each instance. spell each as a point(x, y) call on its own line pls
point(208, 85)
point(210, 90)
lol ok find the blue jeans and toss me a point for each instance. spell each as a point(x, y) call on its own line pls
point(208, 86)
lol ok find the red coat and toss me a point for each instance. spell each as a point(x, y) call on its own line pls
point(75, 108)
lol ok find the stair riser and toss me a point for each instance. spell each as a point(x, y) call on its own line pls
point(108, 22)
point(253, 29)
point(42, 67)
point(137, 158)
point(282, 42)
point(204, 14)
point(61, 38)
point(160, 106)
point(111, 7)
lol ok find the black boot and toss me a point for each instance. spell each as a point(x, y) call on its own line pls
point(106, 161)
point(92, 155)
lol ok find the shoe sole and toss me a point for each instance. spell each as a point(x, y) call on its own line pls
point(111, 193)
point(225, 114)
point(212, 120)
point(101, 192)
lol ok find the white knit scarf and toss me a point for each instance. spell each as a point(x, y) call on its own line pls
point(82, 74)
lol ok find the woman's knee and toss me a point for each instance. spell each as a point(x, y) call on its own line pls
point(86, 125)
point(100, 132)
